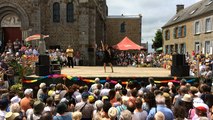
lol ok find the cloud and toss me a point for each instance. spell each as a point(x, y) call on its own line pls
point(155, 12)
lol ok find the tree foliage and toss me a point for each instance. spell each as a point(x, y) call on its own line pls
point(158, 40)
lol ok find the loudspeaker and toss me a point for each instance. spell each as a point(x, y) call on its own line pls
point(178, 60)
point(180, 71)
point(42, 70)
point(44, 60)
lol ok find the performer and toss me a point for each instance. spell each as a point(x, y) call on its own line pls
point(107, 58)
point(70, 52)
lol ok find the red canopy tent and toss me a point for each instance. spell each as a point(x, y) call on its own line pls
point(127, 44)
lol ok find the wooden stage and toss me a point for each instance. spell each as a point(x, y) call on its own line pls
point(98, 71)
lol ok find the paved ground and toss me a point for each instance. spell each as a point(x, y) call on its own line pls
point(89, 71)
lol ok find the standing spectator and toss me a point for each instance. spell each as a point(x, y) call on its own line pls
point(85, 108)
point(94, 86)
point(105, 110)
point(25, 102)
point(126, 115)
point(112, 113)
point(40, 91)
point(46, 116)
point(160, 101)
point(202, 112)
point(62, 112)
point(38, 108)
point(98, 108)
point(70, 52)
point(3, 106)
point(76, 115)
point(105, 90)
point(139, 114)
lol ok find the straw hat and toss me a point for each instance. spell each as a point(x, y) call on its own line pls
point(11, 116)
point(112, 113)
point(187, 98)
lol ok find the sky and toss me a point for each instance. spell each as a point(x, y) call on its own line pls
point(155, 13)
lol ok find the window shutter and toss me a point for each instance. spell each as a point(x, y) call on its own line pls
point(169, 51)
point(184, 48)
point(168, 35)
point(174, 33)
point(184, 30)
point(179, 32)
point(165, 35)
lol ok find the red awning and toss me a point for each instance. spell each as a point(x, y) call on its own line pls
point(127, 44)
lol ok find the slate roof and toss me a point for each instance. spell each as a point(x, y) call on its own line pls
point(195, 10)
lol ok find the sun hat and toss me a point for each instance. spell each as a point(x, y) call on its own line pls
point(112, 112)
point(166, 95)
point(11, 116)
point(15, 99)
point(187, 98)
point(28, 91)
point(42, 85)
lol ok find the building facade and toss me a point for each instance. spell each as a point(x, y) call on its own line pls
point(79, 23)
point(191, 29)
point(118, 27)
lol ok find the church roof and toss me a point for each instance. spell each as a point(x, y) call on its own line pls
point(195, 10)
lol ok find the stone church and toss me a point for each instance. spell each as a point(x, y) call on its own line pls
point(79, 23)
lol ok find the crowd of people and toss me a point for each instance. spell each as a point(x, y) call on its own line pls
point(109, 102)
point(134, 101)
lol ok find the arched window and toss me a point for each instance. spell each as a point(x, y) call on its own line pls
point(70, 12)
point(122, 27)
point(56, 12)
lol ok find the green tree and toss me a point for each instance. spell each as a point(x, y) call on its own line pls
point(158, 40)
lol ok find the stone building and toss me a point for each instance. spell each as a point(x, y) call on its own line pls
point(190, 29)
point(79, 23)
point(118, 27)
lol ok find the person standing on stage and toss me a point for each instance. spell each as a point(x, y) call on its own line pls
point(70, 52)
point(107, 56)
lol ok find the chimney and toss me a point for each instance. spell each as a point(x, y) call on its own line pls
point(179, 8)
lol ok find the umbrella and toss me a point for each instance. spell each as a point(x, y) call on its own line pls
point(35, 37)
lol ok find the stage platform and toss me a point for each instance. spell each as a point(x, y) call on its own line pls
point(98, 71)
point(80, 74)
